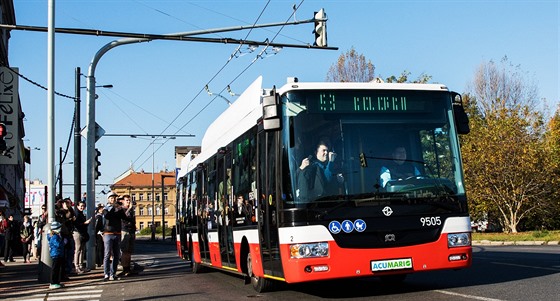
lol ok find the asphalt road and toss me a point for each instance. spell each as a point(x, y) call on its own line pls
point(498, 273)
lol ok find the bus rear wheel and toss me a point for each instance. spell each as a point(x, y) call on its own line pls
point(260, 284)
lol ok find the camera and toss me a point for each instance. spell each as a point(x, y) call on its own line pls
point(134, 203)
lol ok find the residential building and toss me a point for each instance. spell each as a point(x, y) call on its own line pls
point(154, 202)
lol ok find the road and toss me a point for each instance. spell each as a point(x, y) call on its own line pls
point(498, 273)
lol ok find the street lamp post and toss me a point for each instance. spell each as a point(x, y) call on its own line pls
point(163, 204)
point(29, 176)
point(153, 198)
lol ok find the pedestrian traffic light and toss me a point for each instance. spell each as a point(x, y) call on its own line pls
point(363, 162)
point(320, 30)
point(96, 164)
point(3, 133)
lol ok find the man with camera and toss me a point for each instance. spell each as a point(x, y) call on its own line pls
point(113, 216)
point(128, 236)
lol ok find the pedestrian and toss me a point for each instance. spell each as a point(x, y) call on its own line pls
point(128, 237)
point(81, 237)
point(12, 236)
point(64, 214)
point(26, 236)
point(56, 250)
point(99, 248)
point(41, 222)
point(113, 215)
point(3, 226)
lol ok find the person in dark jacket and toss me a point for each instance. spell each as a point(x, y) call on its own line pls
point(80, 236)
point(99, 250)
point(26, 235)
point(12, 236)
point(113, 215)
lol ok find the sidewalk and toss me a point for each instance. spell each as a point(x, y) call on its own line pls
point(18, 279)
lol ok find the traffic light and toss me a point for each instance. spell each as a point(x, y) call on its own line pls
point(96, 164)
point(363, 162)
point(3, 133)
point(320, 30)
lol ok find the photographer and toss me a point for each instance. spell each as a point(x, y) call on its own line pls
point(113, 216)
point(128, 236)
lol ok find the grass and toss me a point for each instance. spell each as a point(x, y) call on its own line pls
point(521, 236)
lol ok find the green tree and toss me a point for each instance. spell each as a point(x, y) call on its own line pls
point(506, 170)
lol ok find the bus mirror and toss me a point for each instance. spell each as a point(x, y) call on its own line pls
point(271, 112)
point(461, 118)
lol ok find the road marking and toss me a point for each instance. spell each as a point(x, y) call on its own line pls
point(527, 266)
point(467, 296)
point(69, 293)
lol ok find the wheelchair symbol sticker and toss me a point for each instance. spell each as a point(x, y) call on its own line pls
point(334, 227)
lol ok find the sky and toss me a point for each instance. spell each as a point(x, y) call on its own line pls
point(158, 87)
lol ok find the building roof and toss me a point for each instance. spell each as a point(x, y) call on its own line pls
point(144, 179)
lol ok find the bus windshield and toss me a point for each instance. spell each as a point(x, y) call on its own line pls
point(369, 145)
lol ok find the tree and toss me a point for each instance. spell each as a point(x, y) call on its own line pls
point(505, 158)
point(351, 67)
point(354, 67)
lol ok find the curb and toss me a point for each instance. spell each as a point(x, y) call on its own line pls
point(515, 243)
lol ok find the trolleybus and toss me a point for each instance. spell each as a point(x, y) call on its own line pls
point(247, 203)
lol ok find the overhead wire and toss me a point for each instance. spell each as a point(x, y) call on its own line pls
point(200, 92)
point(235, 78)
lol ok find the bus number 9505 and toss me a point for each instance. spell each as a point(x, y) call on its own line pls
point(430, 221)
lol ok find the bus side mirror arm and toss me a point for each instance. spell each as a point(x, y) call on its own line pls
point(272, 120)
point(460, 116)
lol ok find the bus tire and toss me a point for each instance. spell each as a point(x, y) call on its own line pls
point(260, 284)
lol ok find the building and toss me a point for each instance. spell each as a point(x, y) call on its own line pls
point(14, 155)
point(141, 187)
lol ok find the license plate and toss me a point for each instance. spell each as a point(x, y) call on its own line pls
point(391, 264)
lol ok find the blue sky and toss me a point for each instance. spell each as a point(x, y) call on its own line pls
point(153, 82)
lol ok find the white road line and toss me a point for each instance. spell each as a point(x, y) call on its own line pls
point(527, 266)
point(467, 296)
point(73, 292)
point(75, 297)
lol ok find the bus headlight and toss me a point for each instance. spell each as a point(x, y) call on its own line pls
point(458, 239)
point(318, 249)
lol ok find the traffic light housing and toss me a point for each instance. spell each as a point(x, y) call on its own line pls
point(363, 161)
point(96, 164)
point(320, 29)
point(3, 133)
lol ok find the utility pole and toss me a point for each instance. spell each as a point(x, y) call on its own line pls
point(77, 143)
point(163, 204)
point(60, 173)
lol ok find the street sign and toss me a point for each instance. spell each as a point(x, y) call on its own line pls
point(99, 132)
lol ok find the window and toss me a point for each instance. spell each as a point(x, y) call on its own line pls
point(133, 197)
point(141, 211)
point(165, 196)
point(158, 211)
point(141, 225)
point(157, 197)
point(167, 211)
point(149, 196)
point(141, 195)
point(150, 211)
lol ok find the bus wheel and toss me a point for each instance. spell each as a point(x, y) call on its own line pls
point(260, 285)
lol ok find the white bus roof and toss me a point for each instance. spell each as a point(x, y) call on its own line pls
point(294, 85)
